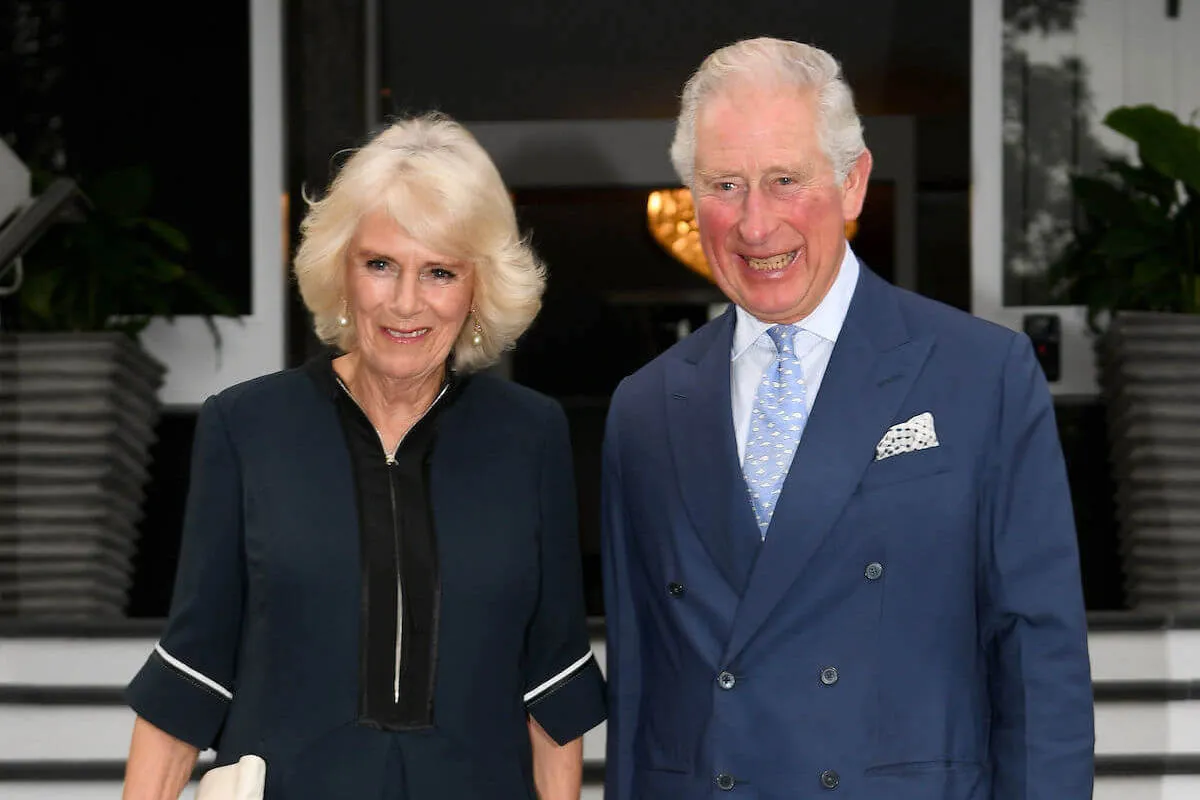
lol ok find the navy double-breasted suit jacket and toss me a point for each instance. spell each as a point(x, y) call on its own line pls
point(912, 628)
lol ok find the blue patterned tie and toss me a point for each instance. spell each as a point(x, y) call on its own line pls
point(776, 423)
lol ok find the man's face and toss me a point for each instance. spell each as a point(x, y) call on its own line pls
point(771, 216)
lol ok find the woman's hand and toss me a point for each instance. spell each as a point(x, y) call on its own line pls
point(557, 769)
point(159, 765)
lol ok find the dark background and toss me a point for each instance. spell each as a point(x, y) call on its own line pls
point(89, 88)
point(131, 81)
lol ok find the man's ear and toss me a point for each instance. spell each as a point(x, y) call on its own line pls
point(854, 187)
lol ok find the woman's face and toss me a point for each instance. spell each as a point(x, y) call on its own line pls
point(409, 303)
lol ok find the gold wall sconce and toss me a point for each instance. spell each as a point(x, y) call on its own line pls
point(671, 218)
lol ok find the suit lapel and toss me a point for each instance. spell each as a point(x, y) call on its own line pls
point(700, 429)
point(870, 372)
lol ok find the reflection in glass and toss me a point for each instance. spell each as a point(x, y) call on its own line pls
point(1047, 137)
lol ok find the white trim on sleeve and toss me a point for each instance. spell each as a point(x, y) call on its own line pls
point(191, 673)
point(531, 695)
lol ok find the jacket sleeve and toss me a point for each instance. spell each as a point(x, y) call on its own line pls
point(188, 681)
point(622, 649)
point(1034, 625)
point(564, 688)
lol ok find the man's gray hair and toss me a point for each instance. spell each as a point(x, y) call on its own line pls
point(767, 60)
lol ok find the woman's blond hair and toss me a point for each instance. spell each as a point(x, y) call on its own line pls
point(438, 184)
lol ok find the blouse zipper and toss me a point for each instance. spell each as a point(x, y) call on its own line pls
point(399, 586)
point(390, 459)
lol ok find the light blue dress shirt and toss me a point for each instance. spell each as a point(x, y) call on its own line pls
point(752, 351)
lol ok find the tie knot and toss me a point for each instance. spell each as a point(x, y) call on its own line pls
point(784, 338)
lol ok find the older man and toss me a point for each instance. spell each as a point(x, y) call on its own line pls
point(839, 549)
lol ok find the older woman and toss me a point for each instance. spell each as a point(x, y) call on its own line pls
point(379, 587)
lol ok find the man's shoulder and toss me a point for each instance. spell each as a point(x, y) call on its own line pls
point(952, 327)
point(689, 349)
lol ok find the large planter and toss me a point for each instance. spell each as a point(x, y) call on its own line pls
point(77, 419)
point(1150, 378)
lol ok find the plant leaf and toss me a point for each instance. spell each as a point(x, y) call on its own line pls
point(1163, 190)
point(37, 292)
point(164, 270)
point(168, 234)
point(123, 192)
point(1149, 272)
point(1164, 142)
point(1122, 243)
point(213, 301)
point(1100, 198)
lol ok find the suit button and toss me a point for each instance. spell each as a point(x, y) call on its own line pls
point(725, 782)
point(676, 589)
point(874, 571)
point(829, 676)
point(726, 680)
point(830, 779)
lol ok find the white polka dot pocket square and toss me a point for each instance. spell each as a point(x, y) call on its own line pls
point(905, 437)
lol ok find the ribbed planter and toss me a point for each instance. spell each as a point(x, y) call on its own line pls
point(1150, 377)
point(77, 419)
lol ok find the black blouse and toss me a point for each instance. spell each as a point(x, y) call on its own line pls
point(398, 621)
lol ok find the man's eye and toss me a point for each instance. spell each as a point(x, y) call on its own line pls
point(726, 186)
point(784, 180)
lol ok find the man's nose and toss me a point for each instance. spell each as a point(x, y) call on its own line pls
point(758, 220)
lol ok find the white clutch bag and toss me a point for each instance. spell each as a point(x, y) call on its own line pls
point(244, 780)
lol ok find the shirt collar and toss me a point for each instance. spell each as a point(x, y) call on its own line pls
point(825, 321)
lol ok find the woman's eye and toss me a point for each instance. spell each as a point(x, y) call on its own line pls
point(377, 265)
point(440, 274)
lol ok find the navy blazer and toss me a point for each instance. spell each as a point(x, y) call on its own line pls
point(912, 628)
point(261, 652)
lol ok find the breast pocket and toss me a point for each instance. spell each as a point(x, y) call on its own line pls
point(906, 467)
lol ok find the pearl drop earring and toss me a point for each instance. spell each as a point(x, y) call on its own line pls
point(343, 319)
point(477, 336)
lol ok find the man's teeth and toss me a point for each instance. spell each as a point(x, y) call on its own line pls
point(773, 263)
point(407, 334)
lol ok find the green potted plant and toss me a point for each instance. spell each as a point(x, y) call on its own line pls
point(79, 397)
point(1135, 264)
point(114, 268)
point(1137, 245)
